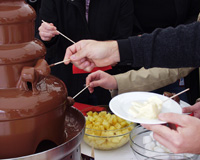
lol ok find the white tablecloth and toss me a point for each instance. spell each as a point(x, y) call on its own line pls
point(123, 153)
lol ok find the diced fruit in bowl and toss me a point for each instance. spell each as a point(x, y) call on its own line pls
point(106, 131)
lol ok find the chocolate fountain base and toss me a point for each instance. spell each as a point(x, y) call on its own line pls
point(70, 150)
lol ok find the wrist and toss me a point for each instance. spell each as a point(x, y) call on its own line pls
point(115, 57)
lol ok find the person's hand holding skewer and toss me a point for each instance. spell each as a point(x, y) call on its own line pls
point(47, 31)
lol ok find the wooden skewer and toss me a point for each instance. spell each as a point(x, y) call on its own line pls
point(65, 37)
point(62, 34)
point(51, 65)
point(177, 94)
point(80, 92)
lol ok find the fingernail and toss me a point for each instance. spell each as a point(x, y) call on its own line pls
point(82, 60)
point(73, 57)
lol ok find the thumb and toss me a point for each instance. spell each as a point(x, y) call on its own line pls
point(187, 109)
point(193, 108)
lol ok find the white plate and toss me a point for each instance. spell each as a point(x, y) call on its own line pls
point(184, 104)
point(121, 104)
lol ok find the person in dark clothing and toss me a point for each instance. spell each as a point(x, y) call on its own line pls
point(152, 14)
point(104, 20)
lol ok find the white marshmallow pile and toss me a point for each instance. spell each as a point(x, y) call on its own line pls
point(148, 109)
point(151, 144)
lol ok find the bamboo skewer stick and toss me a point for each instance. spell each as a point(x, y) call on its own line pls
point(62, 34)
point(51, 65)
point(177, 94)
point(80, 92)
point(54, 64)
point(65, 37)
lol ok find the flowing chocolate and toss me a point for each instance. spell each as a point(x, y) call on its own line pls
point(33, 75)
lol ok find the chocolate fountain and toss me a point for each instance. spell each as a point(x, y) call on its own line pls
point(37, 120)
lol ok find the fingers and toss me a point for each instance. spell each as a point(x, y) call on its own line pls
point(193, 108)
point(69, 52)
point(166, 141)
point(47, 31)
point(93, 80)
point(77, 53)
point(163, 134)
point(174, 118)
point(84, 65)
point(187, 109)
point(159, 129)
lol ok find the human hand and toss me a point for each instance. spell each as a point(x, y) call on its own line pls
point(87, 54)
point(193, 109)
point(47, 31)
point(186, 137)
point(102, 79)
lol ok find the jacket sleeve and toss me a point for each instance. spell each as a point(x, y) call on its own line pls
point(148, 79)
point(167, 48)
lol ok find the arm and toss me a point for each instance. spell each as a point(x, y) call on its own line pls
point(152, 79)
point(148, 80)
point(170, 48)
point(166, 48)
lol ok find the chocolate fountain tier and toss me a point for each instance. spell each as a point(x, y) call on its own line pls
point(13, 57)
point(16, 104)
point(16, 22)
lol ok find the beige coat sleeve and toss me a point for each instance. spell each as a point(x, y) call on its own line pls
point(148, 79)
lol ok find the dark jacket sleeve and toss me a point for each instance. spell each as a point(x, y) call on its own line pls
point(170, 48)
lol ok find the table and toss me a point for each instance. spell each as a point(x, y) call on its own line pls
point(123, 153)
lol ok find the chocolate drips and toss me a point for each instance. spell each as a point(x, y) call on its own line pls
point(33, 75)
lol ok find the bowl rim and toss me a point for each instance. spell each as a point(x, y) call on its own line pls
point(157, 157)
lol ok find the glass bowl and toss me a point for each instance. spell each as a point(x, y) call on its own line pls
point(139, 140)
point(169, 157)
point(106, 131)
